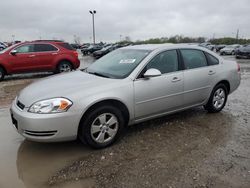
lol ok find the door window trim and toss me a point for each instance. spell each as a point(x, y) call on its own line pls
point(180, 66)
point(34, 46)
point(47, 51)
point(21, 46)
point(183, 64)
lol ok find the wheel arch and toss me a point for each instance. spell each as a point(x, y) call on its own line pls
point(113, 102)
point(5, 70)
point(226, 83)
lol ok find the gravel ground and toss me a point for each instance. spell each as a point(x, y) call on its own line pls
point(187, 149)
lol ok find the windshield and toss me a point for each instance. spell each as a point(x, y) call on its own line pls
point(118, 64)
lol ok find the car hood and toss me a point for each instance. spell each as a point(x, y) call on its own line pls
point(64, 85)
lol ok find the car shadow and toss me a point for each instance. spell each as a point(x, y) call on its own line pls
point(26, 76)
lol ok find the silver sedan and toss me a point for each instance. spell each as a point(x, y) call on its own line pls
point(127, 86)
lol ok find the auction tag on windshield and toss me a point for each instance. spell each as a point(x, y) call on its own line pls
point(127, 61)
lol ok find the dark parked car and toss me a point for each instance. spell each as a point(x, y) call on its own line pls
point(91, 49)
point(104, 51)
point(243, 52)
point(38, 56)
point(2, 46)
point(219, 47)
point(76, 46)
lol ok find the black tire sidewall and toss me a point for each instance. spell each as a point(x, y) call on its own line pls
point(85, 126)
point(64, 62)
point(3, 73)
point(210, 106)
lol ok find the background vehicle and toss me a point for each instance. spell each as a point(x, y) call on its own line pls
point(103, 51)
point(219, 47)
point(76, 46)
point(243, 52)
point(229, 50)
point(38, 56)
point(127, 86)
point(2, 46)
point(91, 49)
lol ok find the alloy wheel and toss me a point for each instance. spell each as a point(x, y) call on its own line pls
point(219, 98)
point(65, 67)
point(104, 128)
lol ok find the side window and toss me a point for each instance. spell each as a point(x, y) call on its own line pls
point(193, 58)
point(212, 60)
point(44, 48)
point(25, 48)
point(165, 62)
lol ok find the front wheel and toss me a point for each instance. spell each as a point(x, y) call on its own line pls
point(2, 74)
point(101, 127)
point(217, 99)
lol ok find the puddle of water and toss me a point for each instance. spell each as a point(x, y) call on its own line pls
point(25, 164)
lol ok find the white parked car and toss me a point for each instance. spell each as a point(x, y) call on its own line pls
point(229, 50)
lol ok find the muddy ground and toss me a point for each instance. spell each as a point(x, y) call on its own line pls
point(187, 149)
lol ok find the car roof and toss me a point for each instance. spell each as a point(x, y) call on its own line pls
point(152, 47)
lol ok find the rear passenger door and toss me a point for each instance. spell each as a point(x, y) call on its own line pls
point(196, 77)
point(44, 56)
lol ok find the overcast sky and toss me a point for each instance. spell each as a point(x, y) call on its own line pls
point(138, 19)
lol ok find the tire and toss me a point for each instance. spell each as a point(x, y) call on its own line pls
point(222, 53)
point(217, 99)
point(64, 66)
point(2, 73)
point(95, 130)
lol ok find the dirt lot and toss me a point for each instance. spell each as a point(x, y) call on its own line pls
point(187, 149)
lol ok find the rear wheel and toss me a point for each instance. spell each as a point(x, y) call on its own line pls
point(64, 66)
point(2, 73)
point(217, 99)
point(102, 127)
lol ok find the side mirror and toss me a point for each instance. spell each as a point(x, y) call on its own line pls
point(152, 73)
point(13, 52)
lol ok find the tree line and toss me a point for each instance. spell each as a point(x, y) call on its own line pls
point(184, 39)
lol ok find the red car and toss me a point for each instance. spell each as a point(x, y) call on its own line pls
point(38, 56)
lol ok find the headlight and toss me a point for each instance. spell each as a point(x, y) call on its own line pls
point(55, 105)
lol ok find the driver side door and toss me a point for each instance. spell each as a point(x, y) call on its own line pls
point(22, 60)
point(161, 94)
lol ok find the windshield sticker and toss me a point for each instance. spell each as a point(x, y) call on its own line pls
point(127, 61)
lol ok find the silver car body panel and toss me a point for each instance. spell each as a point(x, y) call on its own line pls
point(144, 98)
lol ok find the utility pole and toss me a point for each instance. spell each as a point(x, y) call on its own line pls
point(237, 35)
point(93, 12)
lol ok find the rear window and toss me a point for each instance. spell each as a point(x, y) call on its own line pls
point(212, 60)
point(66, 46)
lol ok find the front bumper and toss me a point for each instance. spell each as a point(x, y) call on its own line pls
point(45, 127)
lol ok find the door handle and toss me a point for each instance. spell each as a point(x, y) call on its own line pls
point(176, 79)
point(32, 56)
point(211, 72)
point(54, 53)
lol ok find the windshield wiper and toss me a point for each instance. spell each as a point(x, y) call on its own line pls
point(98, 74)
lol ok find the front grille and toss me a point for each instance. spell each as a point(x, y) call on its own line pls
point(20, 105)
point(40, 133)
